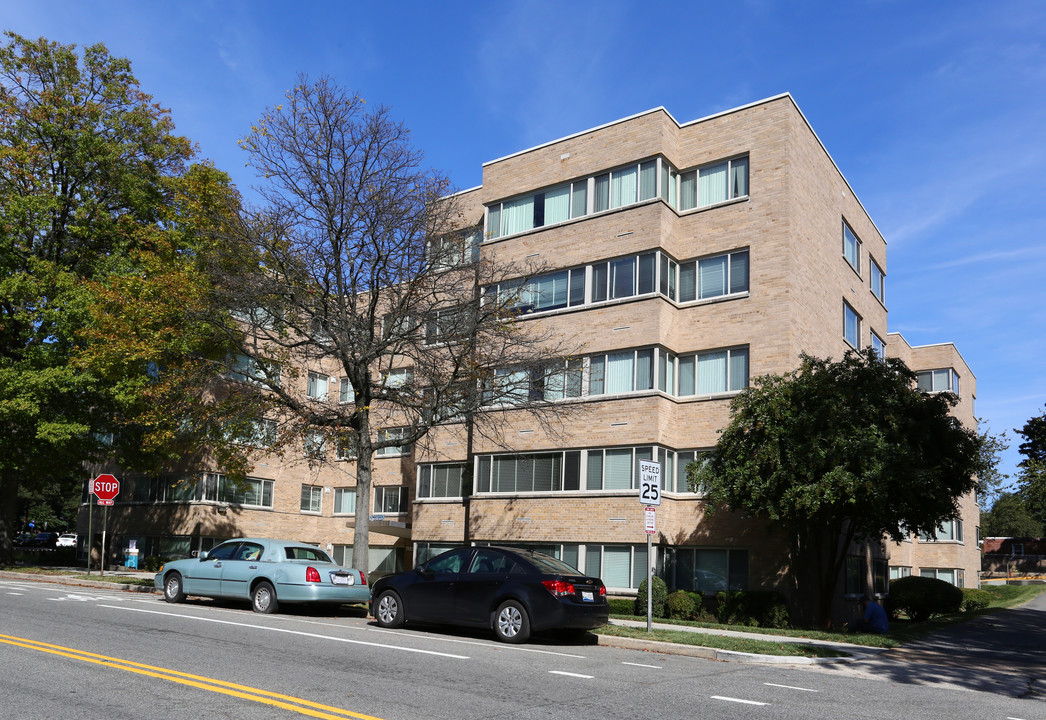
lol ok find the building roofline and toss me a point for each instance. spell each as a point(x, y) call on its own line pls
point(931, 345)
point(706, 118)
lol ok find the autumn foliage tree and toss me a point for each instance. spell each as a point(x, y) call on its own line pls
point(98, 201)
point(838, 452)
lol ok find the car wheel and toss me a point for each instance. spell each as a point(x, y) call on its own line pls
point(263, 598)
point(172, 588)
point(388, 610)
point(511, 623)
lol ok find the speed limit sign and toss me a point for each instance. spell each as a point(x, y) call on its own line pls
point(649, 482)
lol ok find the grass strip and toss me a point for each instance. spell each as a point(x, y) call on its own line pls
point(722, 642)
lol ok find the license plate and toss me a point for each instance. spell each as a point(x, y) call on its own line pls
point(587, 596)
point(340, 579)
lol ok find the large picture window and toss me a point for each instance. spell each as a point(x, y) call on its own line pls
point(943, 380)
point(345, 501)
point(440, 481)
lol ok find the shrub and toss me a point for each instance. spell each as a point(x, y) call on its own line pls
point(152, 563)
point(728, 607)
point(921, 598)
point(681, 606)
point(657, 599)
point(974, 599)
point(623, 606)
point(754, 608)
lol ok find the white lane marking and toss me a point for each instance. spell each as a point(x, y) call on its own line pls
point(437, 638)
point(14, 593)
point(1013, 718)
point(289, 632)
point(655, 667)
point(791, 687)
point(737, 700)
point(78, 598)
point(577, 675)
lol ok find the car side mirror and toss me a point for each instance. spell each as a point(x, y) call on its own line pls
point(427, 574)
point(203, 556)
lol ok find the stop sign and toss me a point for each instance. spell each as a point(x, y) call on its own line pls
point(105, 488)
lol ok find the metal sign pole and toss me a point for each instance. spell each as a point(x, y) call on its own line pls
point(649, 585)
point(90, 532)
point(105, 522)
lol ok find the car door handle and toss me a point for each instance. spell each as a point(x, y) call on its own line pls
point(217, 564)
point(252, 567)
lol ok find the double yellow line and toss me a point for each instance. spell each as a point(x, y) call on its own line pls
point(286, 702)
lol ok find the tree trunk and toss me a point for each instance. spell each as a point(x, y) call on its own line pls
point(361, 534)
point(8, 519)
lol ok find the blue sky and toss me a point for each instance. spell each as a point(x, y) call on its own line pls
point(934, 111)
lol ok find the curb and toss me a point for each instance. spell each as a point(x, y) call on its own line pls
point(76, 582)
point(710, 653)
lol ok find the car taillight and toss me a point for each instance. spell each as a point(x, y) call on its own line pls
point(312, 575)
point(363, 578)
point(602, 590)
point(559, 588)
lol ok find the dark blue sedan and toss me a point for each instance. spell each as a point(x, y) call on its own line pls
point(512, 592)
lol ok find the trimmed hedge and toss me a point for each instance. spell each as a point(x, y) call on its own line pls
point(921, 598)
point(681, 605)
point(975, 599)
point(657, 599)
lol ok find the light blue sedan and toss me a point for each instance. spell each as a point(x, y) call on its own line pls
point(266, 572)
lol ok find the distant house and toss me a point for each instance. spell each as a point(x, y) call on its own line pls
point(1014, 546)
point(1012, 557)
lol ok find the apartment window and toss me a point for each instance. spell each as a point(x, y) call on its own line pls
point(624, 277)
point(446, 325)
point(855, 575)
point(314, 443)
point(706, 570)
point(440, 481)
point(851, 325)
point(254, 370)
point(625, 186)
point(713, 372)
point(851, 248)
point(397, 326)
point(548, 207)
point(954, 576)
point(878, 281)
point(943, 380)
point(453, 250)
point(878, 346)
point(949, 530)
point(535, 472)
point(316, 387)
point(565, 288)
point(390, 499)
point(346, 393)
point(621, 372)
point(311, 498)
point(345, 501)
point(389, 435)
point(259, 434)
point(247, 492)
point(713, 184)
point(397, 378)
point(618, 566)
point(348, 445)
point(713, 276)
point(899, 571)
point(880, 573)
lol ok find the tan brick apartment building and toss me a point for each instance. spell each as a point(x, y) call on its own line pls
point(684, 260)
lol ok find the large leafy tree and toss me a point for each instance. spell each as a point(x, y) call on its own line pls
point(366, 269)
point(1031, 482)
point(97, 206)
point(837, 453)
point(1010, 517)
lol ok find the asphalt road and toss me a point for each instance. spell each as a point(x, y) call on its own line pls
point(96, 653)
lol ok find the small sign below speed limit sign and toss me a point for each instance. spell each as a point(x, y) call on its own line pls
point(649, 482)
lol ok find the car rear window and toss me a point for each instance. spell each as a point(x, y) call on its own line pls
point(307, 553)
point(547, 564)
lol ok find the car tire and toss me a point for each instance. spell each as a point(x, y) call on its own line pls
point(172, 588)
point(388, 610)
point(511, 623)
point(263, 598)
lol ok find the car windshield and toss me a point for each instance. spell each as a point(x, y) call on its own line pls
point(309, 554)
point(548, 564)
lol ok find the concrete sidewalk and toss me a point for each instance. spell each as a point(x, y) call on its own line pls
point(854, 652)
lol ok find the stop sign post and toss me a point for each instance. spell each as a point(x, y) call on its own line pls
point(105, 487)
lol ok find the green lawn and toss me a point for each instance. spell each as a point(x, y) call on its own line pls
point(901, 631)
